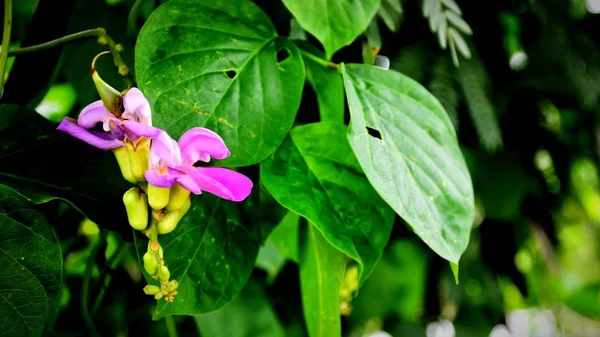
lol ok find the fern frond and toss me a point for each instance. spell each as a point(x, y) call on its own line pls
point(443, 86)
point(474, 81)
point(390, 12)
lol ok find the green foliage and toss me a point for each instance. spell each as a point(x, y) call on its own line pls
point(445, 19)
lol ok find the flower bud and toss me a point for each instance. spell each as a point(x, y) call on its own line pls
point(150, 263)
point(172, 286)
point(122, 155)
point(164, 274)
point(158, 197)
point(154, 246)
point(137, 208)
point(158, 296)
point(168, 223)
point(151, 290)
point(112, 99)
point(178, 198)
point(138, 157)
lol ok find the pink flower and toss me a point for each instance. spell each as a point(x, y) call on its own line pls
point(173, 162)
point(135, 122)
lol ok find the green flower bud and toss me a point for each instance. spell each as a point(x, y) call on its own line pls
point(112, 99)
point(151, 290)
point(158, 296)
point(178, 198)
point(170, 220)
point(122, 156)
point(139, 154)
point(150, 263)
point(137, 208)
point(158, 197)
point(173, 285)
point(154, 246)
point(164, 274)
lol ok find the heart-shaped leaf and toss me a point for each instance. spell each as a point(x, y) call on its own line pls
point(407, 146)
point(220, 64)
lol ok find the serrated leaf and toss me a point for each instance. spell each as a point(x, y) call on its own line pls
point(407, 147)
point(322, 270)
point(458, 22)
point(220, 64)
point(334, 23)
point(31, 262)
point(211, 254)
point(315, 175)
point(460, 43)
point(452, 5)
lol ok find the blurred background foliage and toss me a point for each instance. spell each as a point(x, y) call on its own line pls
point(520, 80)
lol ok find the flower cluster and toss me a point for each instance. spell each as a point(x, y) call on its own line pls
point(163, 169)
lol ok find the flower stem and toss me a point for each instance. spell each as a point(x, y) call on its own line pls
point(5, 41)
point(324, 63)
point(85, 287)
point(132, 18)
point(171, 327)
point(103, 39)
point(112, 264)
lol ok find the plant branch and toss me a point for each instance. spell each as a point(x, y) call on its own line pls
point(85, 287)
point(324, 63)
point(5, 41)
point(103, 39)
point(171, 327)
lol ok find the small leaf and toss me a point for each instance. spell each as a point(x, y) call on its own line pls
point(315, 174)
point(285, 236)
point(327, 84)
point(443, 33)
point(453, 52)
point(31, 262)
point(373, 35)
point(223, 69)
point(454, 267)
point(429, 6)
point(460, 43)
point(322, 270)
point(452, 5)
point(390, 12)
point(458, 22)
point(334, 23)
point(435, 19)
point(416, 166)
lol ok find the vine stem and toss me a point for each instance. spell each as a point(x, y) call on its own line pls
point(85, 287)
point(103, 39)
point(112, 264)
point(5, 41)
point(171, 327)
point(324, 63)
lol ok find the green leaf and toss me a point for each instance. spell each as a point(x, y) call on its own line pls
point(460, 43)
point(270, 259)
point(43, 164)
point(390, 11)
point(327, 84)
point(408, 149)
point(285, 236)
point(220, 65)
point(458, 22)
point(315, 174)
point(322, 269)
point(586, 301)
point(334, 23)
point(249, 315)
point(31, 263)
point(211, 254)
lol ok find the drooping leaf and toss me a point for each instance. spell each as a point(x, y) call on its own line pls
point(44, 164)
point(270, 259)
point(334, 23)
point(31, 262)
point(249, 315)
point(315, 174)
point(407, 147)
point(285, 236)
point(322, 270)
point(220, 64)
point(211, 254)
point(329, 88)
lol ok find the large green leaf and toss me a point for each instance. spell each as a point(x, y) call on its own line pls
point(249, 315)
point(336, 23)
point(220, 64)
point(211, 254)
point(322, 270)
point(406, 144)
point(44, 164)
point(315, 174)
point(31, 270)
point(328, 87)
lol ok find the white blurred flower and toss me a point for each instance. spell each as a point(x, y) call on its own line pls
point(443, 328)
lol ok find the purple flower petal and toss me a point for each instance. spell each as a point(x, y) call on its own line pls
point(155, 178)
point(140, 130)
point(199, 144)
point(137, 107)
point(164, 151)
point(69, 125)
point(224, 183)
point(93, 114)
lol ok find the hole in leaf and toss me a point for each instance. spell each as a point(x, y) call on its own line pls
point(230, 74)
point(282, 55)
point(374, 133)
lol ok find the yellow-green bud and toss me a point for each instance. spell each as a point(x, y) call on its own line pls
point(137, 208)
point(122, 156)
point(170, 220)
point(350, 284)
point(151, 290)
point(150, 263)
point(164, 274)
point(158, 296)
point(158, 197)
point(173, 285)
point(178, 197)
point(154, 246)
point(138, 157)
